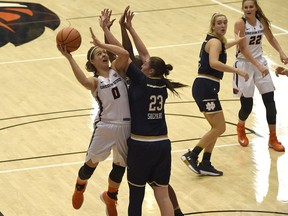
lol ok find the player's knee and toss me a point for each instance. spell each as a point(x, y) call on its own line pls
point(220, 128)
point(246, 108)
point(271, 111)
point(117, 173)
point(85, 172)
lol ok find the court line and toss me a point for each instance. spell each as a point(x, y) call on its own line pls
point(81, 162)
point(239, 11)
point(40, 167)
point(153, 10)
point(149, 48)
point(284, 31)
point(72, 163)
point(237, 211)
point(81, 55)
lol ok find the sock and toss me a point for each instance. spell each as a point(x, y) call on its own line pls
point(80, 187)
point(196, 151)
point(207, 156)
point(241, 124)
point(112, 192)
point(178, 212)
point(272, 133)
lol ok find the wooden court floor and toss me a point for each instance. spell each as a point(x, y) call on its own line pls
point(46, 116)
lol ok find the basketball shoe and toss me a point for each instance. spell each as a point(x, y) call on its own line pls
point(78, 197)
point(191, 160)
point(242, 138)
point(274, 143)
point(206, 168)
point(110, 204)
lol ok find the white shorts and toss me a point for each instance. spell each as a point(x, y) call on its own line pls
point(107, 137)
point(263, 84)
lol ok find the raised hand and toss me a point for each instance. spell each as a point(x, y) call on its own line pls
point(104, 19)
point(122, 18)
point(129, 17)
point(95, 41)
point(64, 51)
point(110, 22)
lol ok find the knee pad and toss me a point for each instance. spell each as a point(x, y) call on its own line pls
point(268, 100)
point(85, 172)
point(117, 173)
point(246, 108)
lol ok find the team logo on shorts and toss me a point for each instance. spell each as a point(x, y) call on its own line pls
point(22, 22)
point(210, 106)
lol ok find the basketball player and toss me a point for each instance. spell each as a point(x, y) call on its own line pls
point(254, 25)
point(147, 96)
point(112, 123)
point(126, 42)
point(205, 90)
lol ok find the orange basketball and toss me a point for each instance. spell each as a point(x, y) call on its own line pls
point(70, 38)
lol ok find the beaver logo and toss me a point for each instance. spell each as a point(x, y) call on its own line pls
point(22, 22)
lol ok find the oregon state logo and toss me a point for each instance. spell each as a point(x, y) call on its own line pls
point(22, 22)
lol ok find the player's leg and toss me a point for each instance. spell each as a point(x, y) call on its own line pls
point(271, 112)
point(120, 149)
point(243, 114)
point(136, 197)
point(110, 197)
point(84, 173)
point(218, 127)
point(164, 202)
point(174, 200)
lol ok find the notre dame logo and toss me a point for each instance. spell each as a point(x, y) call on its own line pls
point(210, 106)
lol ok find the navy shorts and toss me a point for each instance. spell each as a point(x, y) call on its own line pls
point(205, 93)
point(149, 162)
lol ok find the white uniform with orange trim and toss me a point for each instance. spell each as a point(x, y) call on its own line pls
point(253, 37)
point(112, 123)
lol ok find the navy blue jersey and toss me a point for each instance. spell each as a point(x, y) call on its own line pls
point(147, 97)
point(204, 66)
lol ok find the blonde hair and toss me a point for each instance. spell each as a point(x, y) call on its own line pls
point(212, 24)
point(259, 13)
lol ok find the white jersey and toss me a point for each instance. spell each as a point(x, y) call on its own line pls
point(112, 97)
point(253, 37)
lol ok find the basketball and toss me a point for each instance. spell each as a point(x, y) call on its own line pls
point(70, 38)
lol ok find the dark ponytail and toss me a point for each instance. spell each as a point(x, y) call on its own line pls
point(162, 70)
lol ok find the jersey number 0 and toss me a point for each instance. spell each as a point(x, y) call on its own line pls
point(115, 92)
